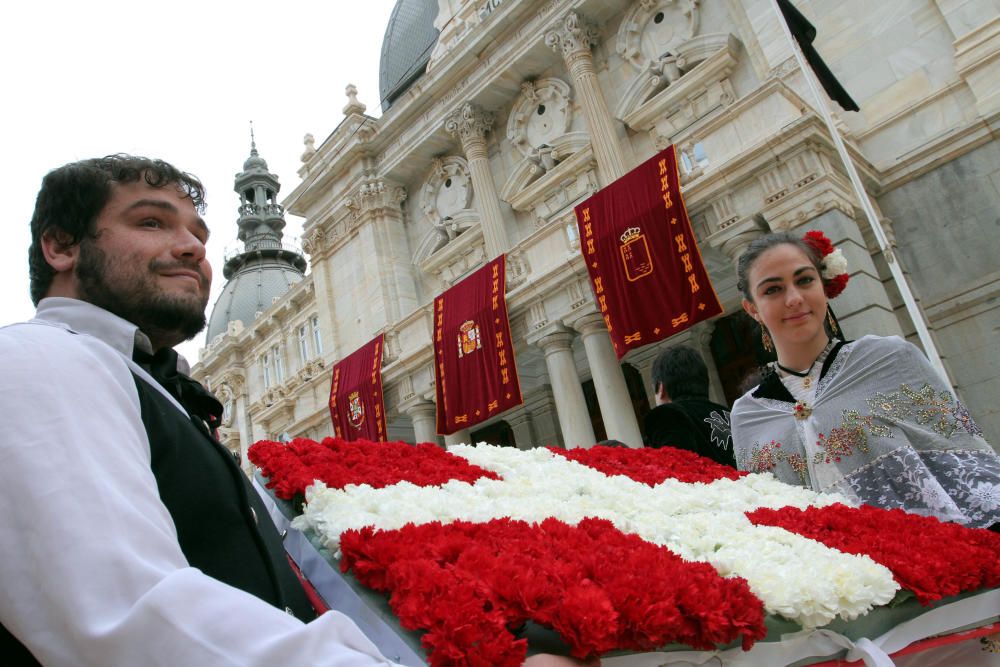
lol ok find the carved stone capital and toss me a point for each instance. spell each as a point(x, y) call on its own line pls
point(573, 37)
point(314, 242)
point(376, 194)
point(590, 323)
point(559, 340)
point(470, 124)
point(235, 382)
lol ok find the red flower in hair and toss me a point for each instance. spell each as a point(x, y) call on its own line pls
point(834, 266)
point(834, 286)
point(819, 242)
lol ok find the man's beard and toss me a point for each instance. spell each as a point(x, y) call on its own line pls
point(133, 296)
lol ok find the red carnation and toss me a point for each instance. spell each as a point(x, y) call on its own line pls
point(819, 242)
point(834, 286)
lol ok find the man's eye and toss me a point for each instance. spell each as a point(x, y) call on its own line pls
point(151, 222)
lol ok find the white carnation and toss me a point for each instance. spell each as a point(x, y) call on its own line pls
point(834, 264)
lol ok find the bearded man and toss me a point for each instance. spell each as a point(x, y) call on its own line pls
point(131, 537)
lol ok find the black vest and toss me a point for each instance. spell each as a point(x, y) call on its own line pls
point(223, 527)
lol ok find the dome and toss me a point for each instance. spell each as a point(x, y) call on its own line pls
point(255, 161)
point(406, 47)
point(249, 292)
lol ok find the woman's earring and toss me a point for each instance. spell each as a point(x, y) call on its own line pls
point(765, 339)
point(834, 329)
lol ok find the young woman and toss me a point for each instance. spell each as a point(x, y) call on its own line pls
point(871, 418)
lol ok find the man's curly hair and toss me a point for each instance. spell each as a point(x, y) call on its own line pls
point(73, 195)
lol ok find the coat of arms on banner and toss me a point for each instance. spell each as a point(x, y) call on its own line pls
point(356, 411)
point(635, 254)
point(468, 338)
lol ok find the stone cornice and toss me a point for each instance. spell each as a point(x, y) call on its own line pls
point(352, 139)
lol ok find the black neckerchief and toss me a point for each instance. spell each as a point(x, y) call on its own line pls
point(188, 392)
point(772, 387)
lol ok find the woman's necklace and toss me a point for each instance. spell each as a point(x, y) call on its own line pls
point(806, 375)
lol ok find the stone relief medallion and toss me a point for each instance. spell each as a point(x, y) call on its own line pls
point(541, 115)
point(654, 28)
point(447, 192)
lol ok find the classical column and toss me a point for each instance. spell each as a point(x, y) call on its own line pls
point(424, 416)
point(736, 244)
point(609, 382)
point(573, 38)
point(701, 338)
point(463, 437)
point(521, 425)
point(571, 406)
point(469, 124)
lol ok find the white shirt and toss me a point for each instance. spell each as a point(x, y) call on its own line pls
point(91, 570)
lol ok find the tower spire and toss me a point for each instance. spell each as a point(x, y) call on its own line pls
point(261, 218)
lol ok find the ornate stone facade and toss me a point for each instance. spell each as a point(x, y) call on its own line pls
point(511, 126)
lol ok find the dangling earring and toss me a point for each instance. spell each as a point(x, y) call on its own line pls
point(834, 329)
point(765, 340)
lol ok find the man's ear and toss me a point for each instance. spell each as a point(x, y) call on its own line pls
point(661, 392)
point(59, 250)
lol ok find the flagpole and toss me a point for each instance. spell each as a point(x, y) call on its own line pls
point(930, 349)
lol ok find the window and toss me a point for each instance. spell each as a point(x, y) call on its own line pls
point(279, 367)
point(317, 338)
point(265, 366)
point(694, 158)
point(303, 344)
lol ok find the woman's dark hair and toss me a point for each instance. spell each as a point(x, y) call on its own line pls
point(682, 372)
point(73, 195)
point(761, 245)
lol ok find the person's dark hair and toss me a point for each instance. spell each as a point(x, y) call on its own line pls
point(750, 380)
point(682, 372)
point(761, 245)
point(73, 195)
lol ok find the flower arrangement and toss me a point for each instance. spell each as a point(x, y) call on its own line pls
point(293, 467)
point(598, 587)
point(613, 548)
point(833, 263)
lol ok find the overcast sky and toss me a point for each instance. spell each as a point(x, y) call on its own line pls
point(178, 81)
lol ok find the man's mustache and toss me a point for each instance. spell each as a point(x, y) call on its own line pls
point(161, 267)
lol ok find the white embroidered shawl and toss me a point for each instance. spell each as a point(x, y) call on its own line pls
point(884, 430)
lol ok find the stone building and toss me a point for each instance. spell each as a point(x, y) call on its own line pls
point(498, 116)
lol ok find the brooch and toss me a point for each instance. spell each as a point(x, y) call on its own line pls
point(802, 410)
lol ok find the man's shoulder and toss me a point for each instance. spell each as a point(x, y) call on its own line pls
point(40, 344)
point(667, 411)
point(33, 333)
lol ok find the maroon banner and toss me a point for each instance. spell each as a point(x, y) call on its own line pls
point(473, 352)
point(356, 406)
point(645, 267)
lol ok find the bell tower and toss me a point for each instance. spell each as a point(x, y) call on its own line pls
point(261, 218)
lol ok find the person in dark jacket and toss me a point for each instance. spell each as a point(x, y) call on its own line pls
point(684, 417)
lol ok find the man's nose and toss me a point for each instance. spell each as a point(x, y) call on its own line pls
point(188, 246)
